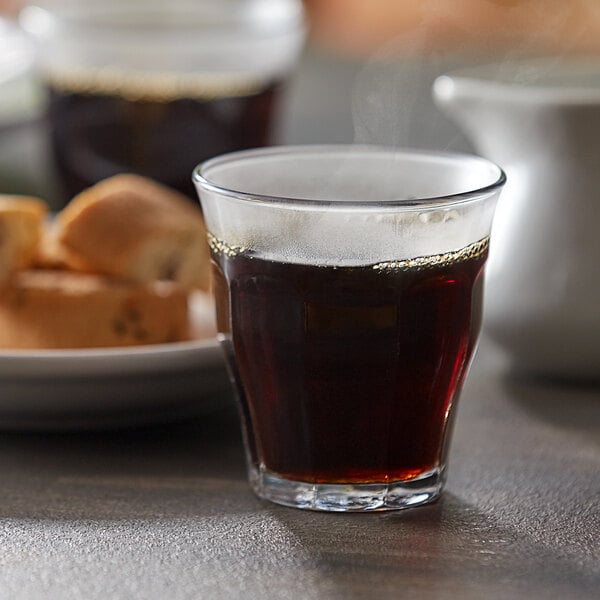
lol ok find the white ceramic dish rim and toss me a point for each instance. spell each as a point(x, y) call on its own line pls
point(109, 361)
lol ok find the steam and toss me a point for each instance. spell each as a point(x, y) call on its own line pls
point(391, 99)
point(392, 105)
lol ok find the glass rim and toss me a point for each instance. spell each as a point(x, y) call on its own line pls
point(200, 176)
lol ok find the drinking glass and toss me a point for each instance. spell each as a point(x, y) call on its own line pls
point(348, 283)
point(153, 87)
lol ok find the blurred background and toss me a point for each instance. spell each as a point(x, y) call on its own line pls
point(365, 73)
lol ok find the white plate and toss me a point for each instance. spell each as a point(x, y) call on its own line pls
point(95, 388)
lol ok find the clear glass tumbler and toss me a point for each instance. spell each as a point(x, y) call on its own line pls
point(349, 293)
point(153, 87)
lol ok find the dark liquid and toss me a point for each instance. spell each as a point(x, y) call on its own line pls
point(348, 374)
point(95, 136)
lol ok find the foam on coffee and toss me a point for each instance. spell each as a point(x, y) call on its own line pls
point(361, 207)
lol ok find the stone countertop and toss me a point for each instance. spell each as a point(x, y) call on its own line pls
point(165, 512)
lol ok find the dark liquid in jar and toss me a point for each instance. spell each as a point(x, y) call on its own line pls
point(96, 134)
point(349, 374)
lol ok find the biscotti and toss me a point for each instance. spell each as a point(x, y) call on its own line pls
point(133, 228)
point(60, 309)
point(21, 221)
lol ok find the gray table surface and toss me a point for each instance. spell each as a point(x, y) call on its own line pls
point(165, 512)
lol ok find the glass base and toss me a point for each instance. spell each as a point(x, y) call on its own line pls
point(353, 497)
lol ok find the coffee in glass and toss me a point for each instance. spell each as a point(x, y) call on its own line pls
point(349, 313)
point(153, 88)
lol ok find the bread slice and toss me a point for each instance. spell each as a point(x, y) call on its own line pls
point(131, 227)
point(61, 309)
point(21, 220)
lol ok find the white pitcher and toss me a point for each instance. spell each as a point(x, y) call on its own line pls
point(541, 122)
